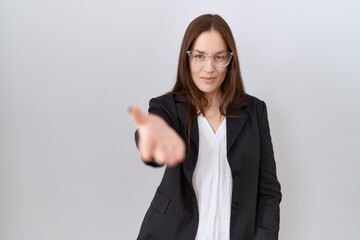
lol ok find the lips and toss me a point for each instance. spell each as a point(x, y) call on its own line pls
point(208, 79)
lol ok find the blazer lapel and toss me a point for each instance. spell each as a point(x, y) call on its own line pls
point(182, 108)
point(234, 125)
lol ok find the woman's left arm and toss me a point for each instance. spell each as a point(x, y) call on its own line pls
point(269, 192)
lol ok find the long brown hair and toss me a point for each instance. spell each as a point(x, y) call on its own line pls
point(232, 87)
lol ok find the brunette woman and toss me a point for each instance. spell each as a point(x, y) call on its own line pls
point(220, 180)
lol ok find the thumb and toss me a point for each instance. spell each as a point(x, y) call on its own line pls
point(137, 116)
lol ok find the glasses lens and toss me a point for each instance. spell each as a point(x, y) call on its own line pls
point(221, 59)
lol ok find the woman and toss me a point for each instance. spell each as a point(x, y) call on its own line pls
point(220, 179)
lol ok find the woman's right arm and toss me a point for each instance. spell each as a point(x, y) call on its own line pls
point(158, 143)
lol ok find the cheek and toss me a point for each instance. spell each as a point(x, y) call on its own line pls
point(195, 73)
point(222, 75)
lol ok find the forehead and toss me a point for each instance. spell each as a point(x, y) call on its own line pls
point(210, 41)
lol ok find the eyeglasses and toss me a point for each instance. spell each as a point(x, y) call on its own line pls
point(221, 59)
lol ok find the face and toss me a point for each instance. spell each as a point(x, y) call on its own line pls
point(208, 78)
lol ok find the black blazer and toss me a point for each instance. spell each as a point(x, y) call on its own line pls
point(256, 195)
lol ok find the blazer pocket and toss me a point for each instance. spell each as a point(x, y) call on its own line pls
point(160, 202)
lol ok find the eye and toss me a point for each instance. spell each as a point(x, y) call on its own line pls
point(199, 56)
point(220, 57)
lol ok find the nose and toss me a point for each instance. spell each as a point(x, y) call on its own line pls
point(209, 65)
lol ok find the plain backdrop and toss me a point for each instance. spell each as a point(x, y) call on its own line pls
point(69, 69)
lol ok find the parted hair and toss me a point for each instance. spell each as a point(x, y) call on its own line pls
point(233, 92)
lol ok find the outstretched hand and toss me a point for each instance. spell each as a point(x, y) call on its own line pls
point(158, 142)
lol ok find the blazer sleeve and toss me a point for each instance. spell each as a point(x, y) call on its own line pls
point(269, 192)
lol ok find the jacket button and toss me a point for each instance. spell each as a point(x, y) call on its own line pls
point(236, 174)
point(235, 205)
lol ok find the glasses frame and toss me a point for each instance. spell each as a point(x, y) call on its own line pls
point(189, 53)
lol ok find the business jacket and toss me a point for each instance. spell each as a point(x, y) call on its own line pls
point(173, 212)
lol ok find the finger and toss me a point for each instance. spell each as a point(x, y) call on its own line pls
point(177, 156)
point(145, 152)
point(180, 152)
point(146, 145)
point(160, 157)
point(171, 153)
point(137, 116)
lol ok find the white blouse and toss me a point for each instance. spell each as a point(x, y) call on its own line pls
point(212, 183)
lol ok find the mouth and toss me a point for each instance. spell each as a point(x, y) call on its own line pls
point(208, 79)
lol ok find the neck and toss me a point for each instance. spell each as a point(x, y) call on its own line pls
point(212, 109)
point(213, 100)
point(212, 112)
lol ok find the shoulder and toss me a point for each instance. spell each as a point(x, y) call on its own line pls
point(253, 103)
point(168, 101)
point(256, 108)
point(165, 106)
point(252, 100)
point(165, 99)
point(165, 102)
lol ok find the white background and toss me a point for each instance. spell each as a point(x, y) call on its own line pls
point(69, 69)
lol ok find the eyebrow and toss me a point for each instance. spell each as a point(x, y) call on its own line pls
point(202, 52)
